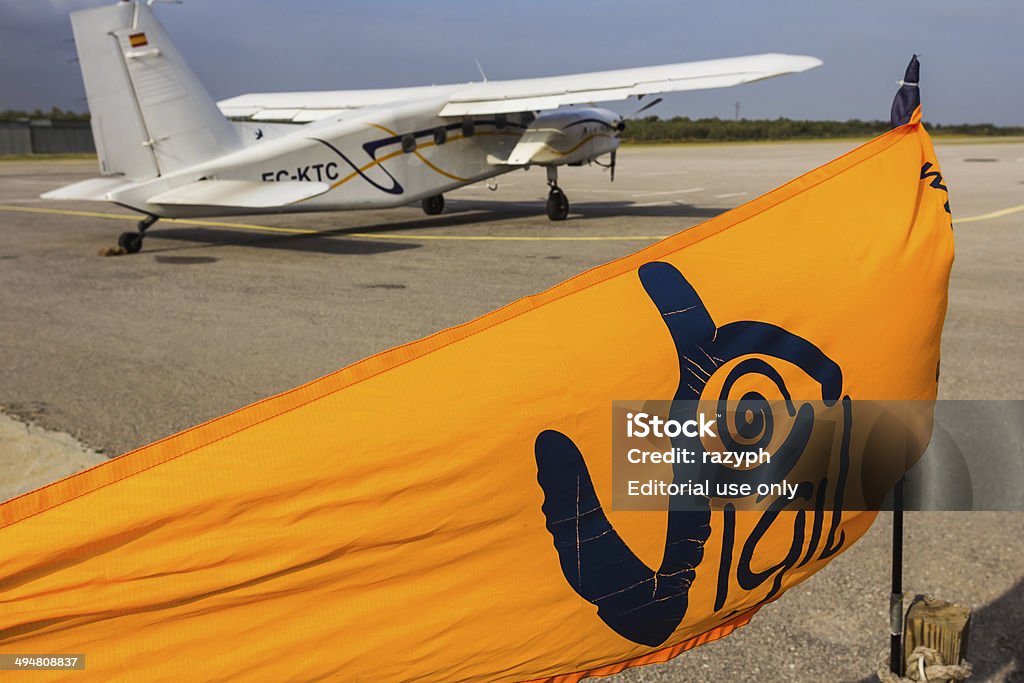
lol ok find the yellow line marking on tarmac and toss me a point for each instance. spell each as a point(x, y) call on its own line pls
point(990, 216)
point(182, 221)
point(417, 237)
point(362, 235)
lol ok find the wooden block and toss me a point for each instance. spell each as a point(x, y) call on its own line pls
point(940, 625)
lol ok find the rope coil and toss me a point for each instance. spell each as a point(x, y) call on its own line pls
point(924, 665)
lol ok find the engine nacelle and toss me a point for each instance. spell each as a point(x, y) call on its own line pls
point(568, 136)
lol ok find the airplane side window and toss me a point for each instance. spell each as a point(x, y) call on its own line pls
point(408, 143)
point(440, 135)
point(468, 128)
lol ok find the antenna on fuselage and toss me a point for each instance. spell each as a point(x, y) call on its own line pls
point(480, 69)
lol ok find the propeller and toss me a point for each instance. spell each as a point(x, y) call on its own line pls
point(622, 127)
point(644, 108)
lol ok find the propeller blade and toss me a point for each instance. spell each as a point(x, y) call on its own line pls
point(644, 108)
point(612, 169)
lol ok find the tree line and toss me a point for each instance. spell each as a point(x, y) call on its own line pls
point(654, 129)
point(55, 114)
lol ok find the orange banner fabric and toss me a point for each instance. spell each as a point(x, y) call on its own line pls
point(441, 511)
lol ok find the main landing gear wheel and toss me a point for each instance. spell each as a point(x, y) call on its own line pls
point(432, 206)
point(131, 242)
point(558, 204)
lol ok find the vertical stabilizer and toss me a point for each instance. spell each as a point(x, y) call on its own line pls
point(150, 114)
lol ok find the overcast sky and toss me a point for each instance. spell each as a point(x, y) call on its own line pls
point(972, 54)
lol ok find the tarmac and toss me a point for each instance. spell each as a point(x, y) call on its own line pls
point(100, 355)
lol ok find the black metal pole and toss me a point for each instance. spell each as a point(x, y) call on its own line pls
point(896, 598)
point(908, 98)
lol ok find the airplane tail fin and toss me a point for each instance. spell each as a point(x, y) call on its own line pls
point(150, 114)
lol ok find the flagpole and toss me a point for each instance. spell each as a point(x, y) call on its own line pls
point(907, 100)
point(896, 598)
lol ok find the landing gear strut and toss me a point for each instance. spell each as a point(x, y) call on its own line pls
point(131, 242)
point(432, 206)
point(558, 204)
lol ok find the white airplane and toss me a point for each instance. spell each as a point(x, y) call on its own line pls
point(168, 150)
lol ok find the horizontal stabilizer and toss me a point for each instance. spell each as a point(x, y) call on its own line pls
point(249, 194)
point(94, 189)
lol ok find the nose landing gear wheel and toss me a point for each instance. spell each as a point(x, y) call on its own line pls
point(557, 205)
point(432, 206)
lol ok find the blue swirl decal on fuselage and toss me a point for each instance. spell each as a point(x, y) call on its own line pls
point(396, 187)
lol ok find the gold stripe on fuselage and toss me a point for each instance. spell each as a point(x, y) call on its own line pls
point(423, 158)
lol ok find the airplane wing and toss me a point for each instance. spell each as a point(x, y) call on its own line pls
point(529, 94)
point(498, 97)
point(303, 107)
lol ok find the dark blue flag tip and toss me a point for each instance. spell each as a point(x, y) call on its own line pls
point(908, 97)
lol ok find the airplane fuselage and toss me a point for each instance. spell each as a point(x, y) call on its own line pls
point(388, 156)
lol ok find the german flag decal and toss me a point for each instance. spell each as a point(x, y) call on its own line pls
point(138, 40)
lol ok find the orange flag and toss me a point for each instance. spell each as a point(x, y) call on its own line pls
point(442, 511)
